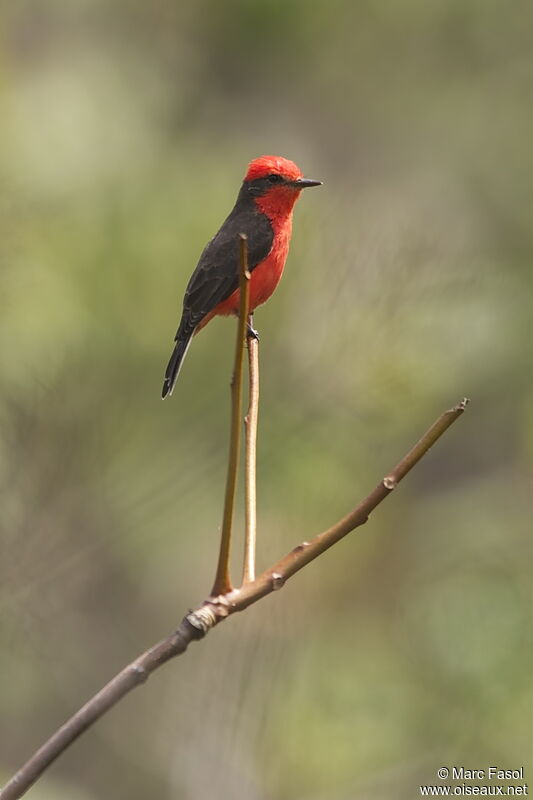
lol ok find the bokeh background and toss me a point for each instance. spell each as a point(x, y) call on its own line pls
point(126, 128)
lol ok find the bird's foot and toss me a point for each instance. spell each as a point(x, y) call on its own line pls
point(251, 332)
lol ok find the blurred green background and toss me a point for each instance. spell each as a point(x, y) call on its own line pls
point(126, 129)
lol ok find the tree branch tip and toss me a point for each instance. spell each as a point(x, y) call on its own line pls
point(243, 237)
point(460, 407)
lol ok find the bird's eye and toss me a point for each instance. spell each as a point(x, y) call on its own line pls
point(275, 178)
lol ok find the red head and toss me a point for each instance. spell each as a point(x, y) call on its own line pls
point(272, 165)
point(275, 183)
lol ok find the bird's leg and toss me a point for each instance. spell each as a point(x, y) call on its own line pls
point(251, 332)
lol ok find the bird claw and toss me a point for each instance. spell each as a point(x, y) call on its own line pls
point(252, 333)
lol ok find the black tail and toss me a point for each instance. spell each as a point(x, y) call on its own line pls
point(174, 365)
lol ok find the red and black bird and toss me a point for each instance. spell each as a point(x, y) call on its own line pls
point(263, 212)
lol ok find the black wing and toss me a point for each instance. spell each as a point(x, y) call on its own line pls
point(217, 275)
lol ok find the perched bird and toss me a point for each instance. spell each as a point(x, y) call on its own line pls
point(263, 212)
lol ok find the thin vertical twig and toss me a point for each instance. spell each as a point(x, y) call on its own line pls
point(222, 584)
point(250, 491)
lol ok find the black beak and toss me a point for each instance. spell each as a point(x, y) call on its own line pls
point(304, 183)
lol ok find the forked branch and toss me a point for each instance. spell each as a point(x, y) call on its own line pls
point(215, 609)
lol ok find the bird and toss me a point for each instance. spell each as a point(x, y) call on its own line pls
point(263, 212)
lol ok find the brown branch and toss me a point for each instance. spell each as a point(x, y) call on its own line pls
point(215, 609)
point(250, 425)
point(222, 584)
